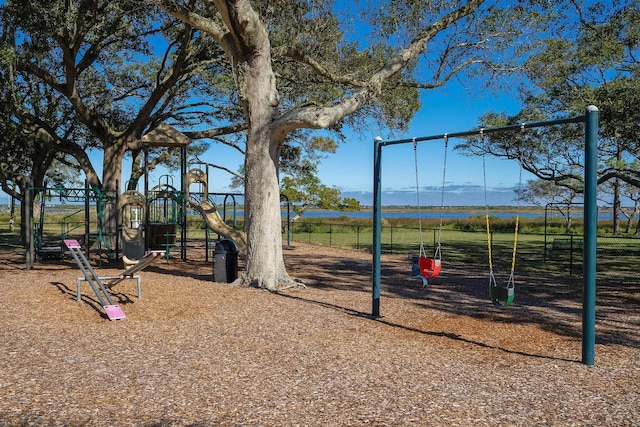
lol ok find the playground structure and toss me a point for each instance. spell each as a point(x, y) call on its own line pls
point(132, 206)
point(590, 119)
point(154, 219)
point(75, 222)
point(166, 215)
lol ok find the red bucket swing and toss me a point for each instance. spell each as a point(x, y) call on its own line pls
point(423, 266)
point(429, 268)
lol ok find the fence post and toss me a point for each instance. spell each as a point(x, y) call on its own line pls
point(292, 233)
point(434, 240)
point(330, 234)
point(571, 255)
point(391, 241)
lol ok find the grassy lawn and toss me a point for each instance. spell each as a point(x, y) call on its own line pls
point(561, 254)
point(464, 243)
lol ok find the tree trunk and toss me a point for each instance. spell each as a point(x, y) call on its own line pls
point(111, 176)
point(23, 185)
point(631, 217)
point(12, 214)
point(265, 262)
point(567, 220)
point(617, 208)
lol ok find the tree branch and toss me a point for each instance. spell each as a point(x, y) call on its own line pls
point(303, 58)
point(323, 117)
point(137, 126)
point(236, 174)
point(207, 25)
point(212, 133)
point(441, 82)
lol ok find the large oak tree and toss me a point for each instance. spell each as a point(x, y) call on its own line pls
point(295, 68)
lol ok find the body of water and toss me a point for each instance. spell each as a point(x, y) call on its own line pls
point(416, 214)
point(434, 215)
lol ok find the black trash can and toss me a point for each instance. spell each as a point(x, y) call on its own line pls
point(225, 261)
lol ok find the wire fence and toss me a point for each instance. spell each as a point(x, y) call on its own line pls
point(617, 256)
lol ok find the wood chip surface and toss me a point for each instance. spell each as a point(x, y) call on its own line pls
point(192, 352)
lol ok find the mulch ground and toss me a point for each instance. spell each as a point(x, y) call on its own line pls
point(192, 352)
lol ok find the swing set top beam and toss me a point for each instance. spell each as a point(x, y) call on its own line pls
point(483, 131)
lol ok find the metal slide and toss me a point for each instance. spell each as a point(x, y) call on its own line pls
point(215, 222)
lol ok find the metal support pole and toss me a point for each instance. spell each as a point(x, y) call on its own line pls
point(590, 236)
point(118, 219)
point(286, 198)
point(87, 220)
point(377, 223)
point(147, 203)
point(288, 223)
point(28, 232)
point(185, 203)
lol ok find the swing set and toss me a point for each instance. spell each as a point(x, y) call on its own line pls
point(503, 295)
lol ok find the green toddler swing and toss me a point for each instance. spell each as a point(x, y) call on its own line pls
point(501, 295)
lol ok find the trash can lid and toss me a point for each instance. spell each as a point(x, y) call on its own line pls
point(227, 245)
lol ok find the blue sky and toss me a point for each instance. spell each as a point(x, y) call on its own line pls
point(448, 110)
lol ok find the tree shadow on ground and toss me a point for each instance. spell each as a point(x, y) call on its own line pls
point(550, 302)
point(440, 334)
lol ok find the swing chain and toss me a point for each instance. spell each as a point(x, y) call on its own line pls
point(486, 208)
point(502, 296)
point(415, 159)
point(438, 253)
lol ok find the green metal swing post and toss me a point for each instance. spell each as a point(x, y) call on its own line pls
point(590, 236)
